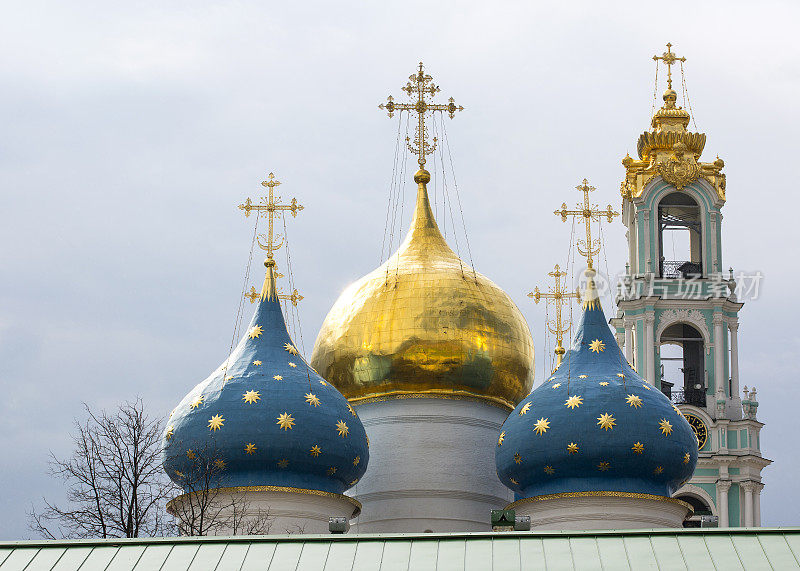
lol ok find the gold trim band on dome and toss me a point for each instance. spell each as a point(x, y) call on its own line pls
point(287, 489)
point(599, 494)
point(433, 394)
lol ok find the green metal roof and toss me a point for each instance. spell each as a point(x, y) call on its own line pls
point(727, 549)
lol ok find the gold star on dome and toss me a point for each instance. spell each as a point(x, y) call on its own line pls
point(285, 421)
point(352, 410)
point(180, 474)
point(572, 448)
point(638, 448)
point(621, 375)
point(633, 401)
point(250, 448)
point(606, 421)
point(292, 365)
point(513, 481)
point(283, 463)
point(583, 376)
point(541, 426)
point(341, 429)
point(686, 458)
point(257, 363)
point(645, 387)
point(574, 402)
point(255, 332)
point(555, 386)
point(604, 384)
point(603, 466)
point(191, 455)
point(229, 377)
point(658, 470)
point(251, 397)
point(290, 348)
point(331, 470)
point(517, 458)
point(665, 426)
point(549, 470)
point(354, 482)
point(170, 432)
point(356, 460)
point(278, 378)
point(597, 346)
point(525, 408)
point(676, 409)
point(315, 450)
point(323, 383)
point(219, 464)
point(312, 399)
point(502, 438)
point(215, 422)
point(196, 402)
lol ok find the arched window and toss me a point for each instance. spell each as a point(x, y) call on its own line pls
point(682, 364)
point(680, 236)
point(701, 508)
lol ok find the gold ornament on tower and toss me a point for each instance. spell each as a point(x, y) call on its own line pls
point(424, 324)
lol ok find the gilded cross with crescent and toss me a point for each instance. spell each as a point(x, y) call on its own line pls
point(420, 86)
point(587, 213)
point(273, 209)
point(669, 58)
point(560, 296)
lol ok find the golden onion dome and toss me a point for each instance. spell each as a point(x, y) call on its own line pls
point(424, 324)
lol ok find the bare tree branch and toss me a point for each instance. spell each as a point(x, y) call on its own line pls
point(114, 480)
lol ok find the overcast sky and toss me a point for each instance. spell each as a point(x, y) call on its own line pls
point(130, 132)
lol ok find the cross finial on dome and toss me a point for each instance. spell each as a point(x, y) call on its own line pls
point(420, 86)
point(587, 213)
point(559, 294)
point(669, 59)
point(272, 206)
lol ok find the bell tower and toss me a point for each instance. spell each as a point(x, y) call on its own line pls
point(678, 312)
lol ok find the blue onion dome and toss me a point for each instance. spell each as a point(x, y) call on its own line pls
point(595, 425)
point(266, 418)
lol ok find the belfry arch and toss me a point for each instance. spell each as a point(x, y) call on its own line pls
point(682, 372)
point(680, 236)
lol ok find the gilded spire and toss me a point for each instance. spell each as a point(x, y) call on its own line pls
point(420, 86)
point(269, 291)
point(591, 298)
point(424, 237)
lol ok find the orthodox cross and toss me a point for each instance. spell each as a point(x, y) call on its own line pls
point(669, 58)
point(273, 209)
point(420, 85)
point(587, 213)
point(560, 296)
point(254, 295)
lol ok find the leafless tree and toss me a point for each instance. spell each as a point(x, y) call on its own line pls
point(206, 506)
point(114, 479)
